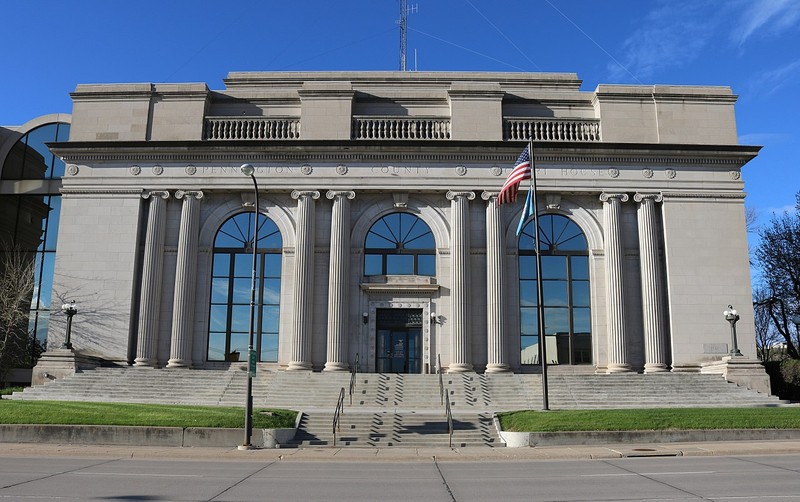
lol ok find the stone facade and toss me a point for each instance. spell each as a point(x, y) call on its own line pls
point(650, 174)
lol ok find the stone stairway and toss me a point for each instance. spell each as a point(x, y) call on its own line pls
point(397, 409)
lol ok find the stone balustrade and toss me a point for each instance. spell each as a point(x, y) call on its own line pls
point(402, 128)
point(425, 128)
point(543, 129)
point(251, 128)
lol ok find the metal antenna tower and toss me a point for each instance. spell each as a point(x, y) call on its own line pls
point(405, 10)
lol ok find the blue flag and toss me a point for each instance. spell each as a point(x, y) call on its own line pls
point(527, 211)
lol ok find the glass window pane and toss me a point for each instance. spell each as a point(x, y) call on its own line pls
point(38, 159)
point(554, 267)
point(45, 285)
point(582, 320)
point(42, 321)
point(272, 265)
point(240, 318)
point(269, 348)
point(580, 267)
point(529, 346)
point(216, 346)
point(556, 320)
point(529, 321)
point(243, 265)
point(222, 263)
point(528, 293)
point(269, 319)
point(399, 264)
point(219, 290)
point(426, 264)
point(526, 241)
point(373, 264)
point(271, 295)
point(377, 240)
point(239, 343)
point(53, 219)
point(555, 293)
point(219, 317)
point(527, 267)
point(580, 293)
point(241, 291)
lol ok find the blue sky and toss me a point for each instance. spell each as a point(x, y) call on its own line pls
point(50, 46)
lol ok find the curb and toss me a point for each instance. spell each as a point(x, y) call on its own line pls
point(668, 436)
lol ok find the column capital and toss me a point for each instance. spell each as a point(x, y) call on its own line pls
point(156, 193)
point(655, 197)
point(487, 195)
point(606, 196)
point(197, 194)
point(332, 194)
point(296, 194)
point(451, 195)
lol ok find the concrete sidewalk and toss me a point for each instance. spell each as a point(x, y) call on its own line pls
point(400, 454)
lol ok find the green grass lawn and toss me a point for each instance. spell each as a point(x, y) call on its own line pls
point(77, 413)
point(651, 419)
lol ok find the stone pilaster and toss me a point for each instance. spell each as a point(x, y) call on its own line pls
point(496, 361)
point(459, 291)
point(152, 266)
point(338, 276)
point(615, 297)
point(303, 280)
point(655, 340)
point(185, 281)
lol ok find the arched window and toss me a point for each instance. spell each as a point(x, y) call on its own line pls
point(29, 224)
point(229, 316)
point(565, 281)
point(400, 244)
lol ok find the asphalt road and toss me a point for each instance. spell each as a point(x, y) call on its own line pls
point(734, 478)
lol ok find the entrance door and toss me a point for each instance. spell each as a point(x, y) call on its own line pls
point(398, 340)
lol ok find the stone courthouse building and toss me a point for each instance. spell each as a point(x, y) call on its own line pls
point(378, 228)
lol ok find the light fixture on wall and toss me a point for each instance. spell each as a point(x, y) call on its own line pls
point(365, 317)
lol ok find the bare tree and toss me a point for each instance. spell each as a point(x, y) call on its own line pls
point(778, 256)
point(768, 339)
point(16, 288)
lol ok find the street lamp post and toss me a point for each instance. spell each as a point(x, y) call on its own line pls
point(732, 316)
point(248, 170)
point(70, 309)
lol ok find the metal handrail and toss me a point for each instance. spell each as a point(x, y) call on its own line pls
point(337, 414)
point(449, 414)
point(353, 372)
point(441, 383)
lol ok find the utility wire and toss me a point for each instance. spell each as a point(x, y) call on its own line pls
point(466, 49)
point(503, 35)
point(593, 41)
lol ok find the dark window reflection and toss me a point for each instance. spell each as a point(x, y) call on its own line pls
point(400, 244)
point(231, 290)
point(565, 284)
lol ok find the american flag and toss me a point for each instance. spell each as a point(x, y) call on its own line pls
point(520, 172)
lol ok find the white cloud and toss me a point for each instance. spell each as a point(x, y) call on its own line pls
point(764, 138)
point(765, 18)
point(771, 81)
point(671, 35)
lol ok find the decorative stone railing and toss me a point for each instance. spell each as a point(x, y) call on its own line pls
point(251, 128)
point(542, 129)
point(424, 128)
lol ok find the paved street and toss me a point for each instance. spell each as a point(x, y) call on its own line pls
point(51, 475)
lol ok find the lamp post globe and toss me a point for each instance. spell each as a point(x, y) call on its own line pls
point(732, 316)
point(70, 309)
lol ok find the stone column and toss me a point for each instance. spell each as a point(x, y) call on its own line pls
point(615, 298)
point(496, 361)
point(655, 340)
point(459, 291)
point(303, 280)
point(185, 281)
point(152, 266)
point(338, 277)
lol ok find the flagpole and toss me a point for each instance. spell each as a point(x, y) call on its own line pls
point(539, 285)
